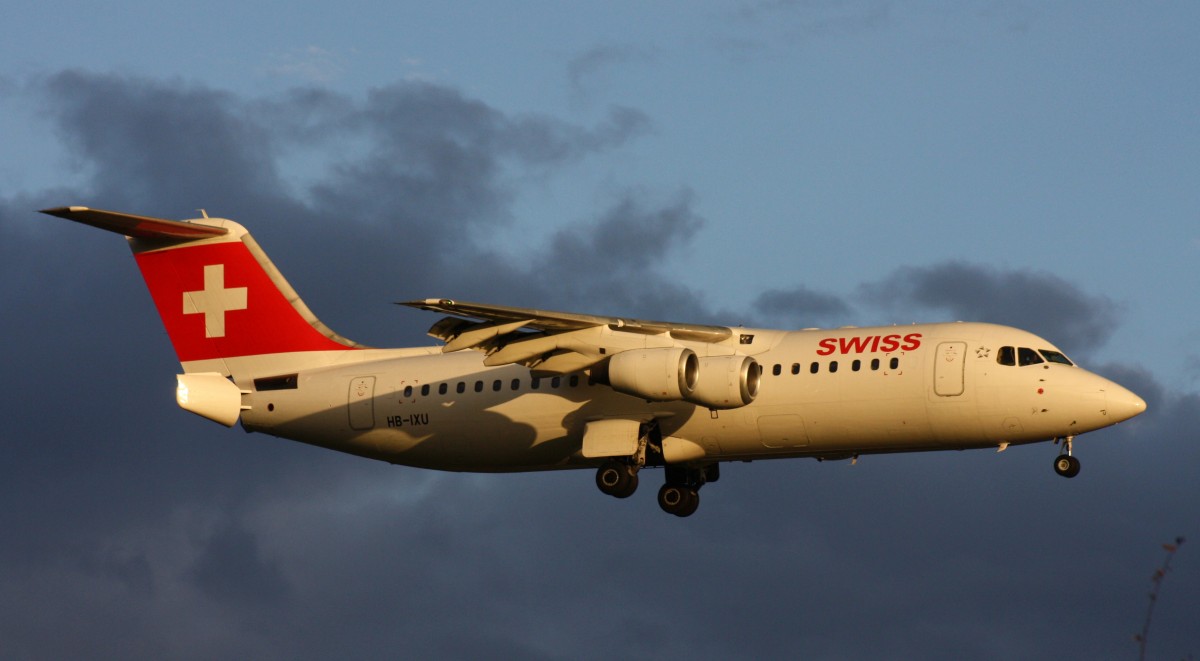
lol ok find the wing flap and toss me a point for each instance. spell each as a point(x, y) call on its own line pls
point(476, 334)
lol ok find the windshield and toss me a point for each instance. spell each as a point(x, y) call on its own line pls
point(1056, 357)
point(1025, 356)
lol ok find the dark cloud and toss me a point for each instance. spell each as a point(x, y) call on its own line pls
point(1037, 301)
point(134, 530)
point(624, 253)
point(164, 148)
point(801, 307)
point(414, 177)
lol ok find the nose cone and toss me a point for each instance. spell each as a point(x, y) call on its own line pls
point(1122, 404)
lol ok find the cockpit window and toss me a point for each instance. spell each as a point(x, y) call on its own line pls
point(1006, 356)
point(1026, 356)
point(1056, 357)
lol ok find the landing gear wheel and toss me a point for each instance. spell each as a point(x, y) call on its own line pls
point(693, 502)
point(616, 479)
point(678, 500)
point(1066, 465)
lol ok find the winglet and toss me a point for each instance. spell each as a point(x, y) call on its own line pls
point(141, 227)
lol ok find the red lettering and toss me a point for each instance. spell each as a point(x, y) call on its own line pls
point(889, 343)
point(911, 341)
point(853, 344)
point(869, 344)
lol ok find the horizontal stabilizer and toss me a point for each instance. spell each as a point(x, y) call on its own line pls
point(141, 227)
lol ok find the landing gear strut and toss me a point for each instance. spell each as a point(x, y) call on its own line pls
point(1065, 464)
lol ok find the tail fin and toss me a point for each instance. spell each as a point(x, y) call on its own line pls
point(224, 304)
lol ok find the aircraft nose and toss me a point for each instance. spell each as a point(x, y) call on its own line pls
point(1122, 403)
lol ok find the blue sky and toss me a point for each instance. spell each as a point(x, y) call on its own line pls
point(779, 163)
point(868, 135)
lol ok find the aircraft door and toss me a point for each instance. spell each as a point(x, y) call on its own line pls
point(361, 403)
point(948, 369)
point(782, 431)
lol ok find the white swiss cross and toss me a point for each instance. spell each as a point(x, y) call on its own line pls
point(214, 301)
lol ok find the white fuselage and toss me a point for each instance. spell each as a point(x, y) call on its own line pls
point(519, 389)
point(823, 393)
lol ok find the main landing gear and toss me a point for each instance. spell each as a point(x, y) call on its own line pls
point(679, 496)
point(1065, 464)
point(617, 479)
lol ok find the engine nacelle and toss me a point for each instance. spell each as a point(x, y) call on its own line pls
point(726, 382)
point(660, 375)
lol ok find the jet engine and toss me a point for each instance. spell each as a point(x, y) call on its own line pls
point(726, 382)
point(661, 375)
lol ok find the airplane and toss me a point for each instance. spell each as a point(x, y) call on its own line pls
point(513, 389)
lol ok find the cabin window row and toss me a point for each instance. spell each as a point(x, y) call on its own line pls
point(856, 365)
point(535, 383)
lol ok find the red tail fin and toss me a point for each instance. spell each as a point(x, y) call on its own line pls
point(218, 294)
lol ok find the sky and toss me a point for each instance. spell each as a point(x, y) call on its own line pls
point(774, 163)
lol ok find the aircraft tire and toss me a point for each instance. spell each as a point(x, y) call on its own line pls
point(616, 479)
point(631, 485)
point(690, 505)
point(1066, 465)
point(678, 500)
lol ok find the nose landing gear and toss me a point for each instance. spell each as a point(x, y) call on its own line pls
point(1065, 464)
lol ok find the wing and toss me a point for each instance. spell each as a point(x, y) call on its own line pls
point(554, 342)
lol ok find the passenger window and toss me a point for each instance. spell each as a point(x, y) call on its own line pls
point(1006, 356)
point(442, 389)
point(1056, 357)
point(814, 368)
point(833, 366)
point(496, 385)
point(407, 391)
point(534, 383)
point(874, 364)
point(795, 368)
point(461, 387)
point(895, 363)
point(856, 365)
point(555, 382)
point(479, 386)
point(1028, 357)
point(516, 384)
point(574, 381)
point(425, 390)
point(777, 370)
